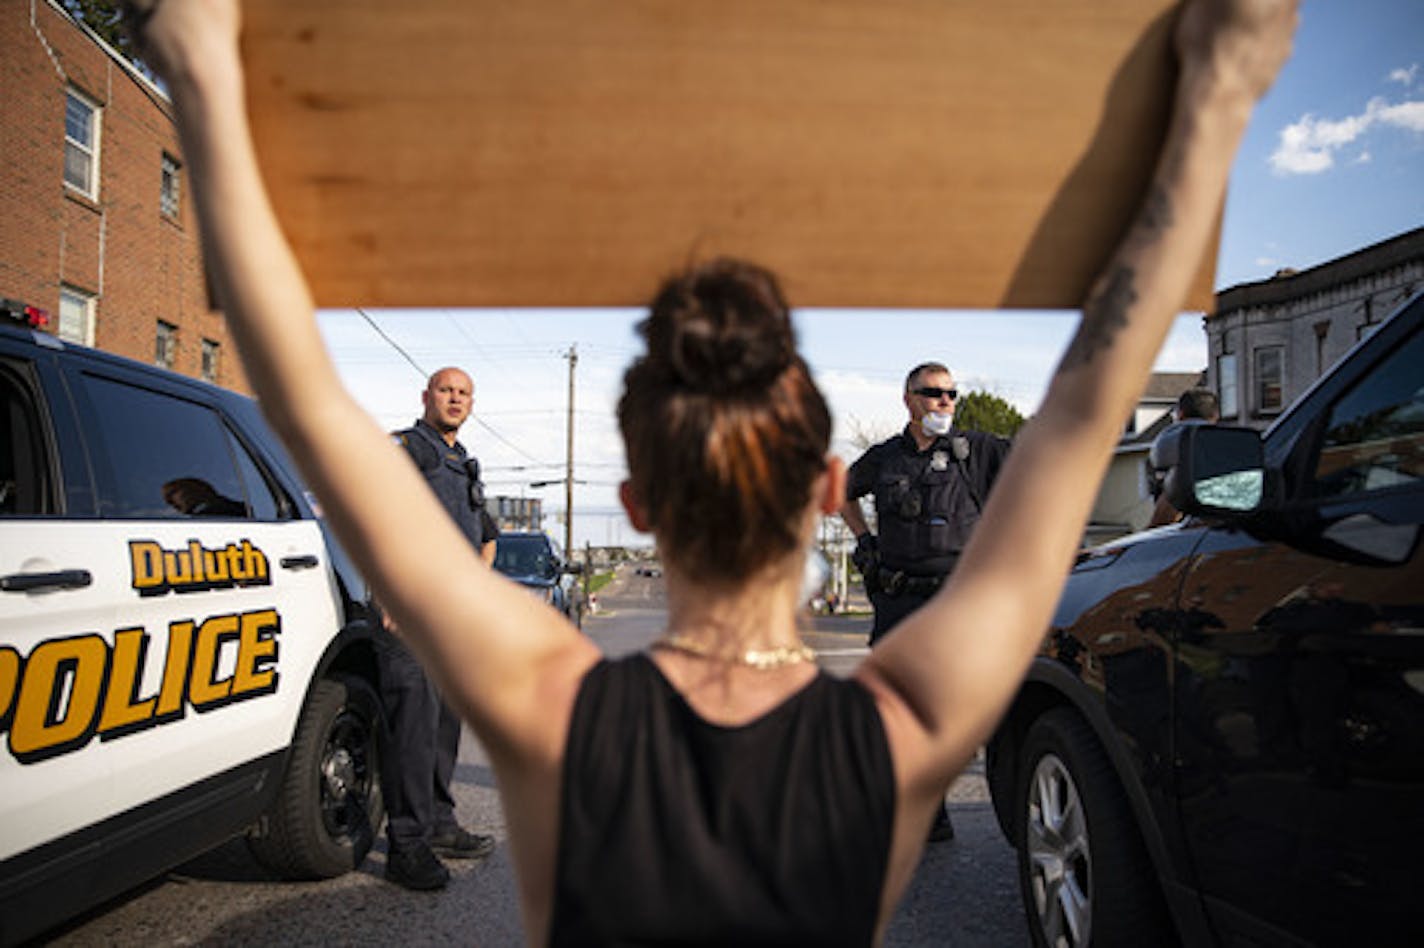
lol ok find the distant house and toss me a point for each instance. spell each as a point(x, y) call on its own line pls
point(1160, 397)
point(1124, 504)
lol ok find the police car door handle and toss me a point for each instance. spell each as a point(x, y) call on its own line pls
point(304, 561)
point(60, 579)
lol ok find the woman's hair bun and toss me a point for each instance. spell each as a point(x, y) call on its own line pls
point(721, 327)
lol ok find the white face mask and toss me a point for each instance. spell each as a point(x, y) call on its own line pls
point(936, 423)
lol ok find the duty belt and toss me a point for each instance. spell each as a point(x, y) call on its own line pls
point(900, 583)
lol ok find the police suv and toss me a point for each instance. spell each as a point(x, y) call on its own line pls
point(185, 654)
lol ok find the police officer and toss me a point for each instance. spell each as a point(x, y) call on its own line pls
point(929, 484)
point(423, 736)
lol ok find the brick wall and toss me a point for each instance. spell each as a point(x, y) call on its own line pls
point(140, 264)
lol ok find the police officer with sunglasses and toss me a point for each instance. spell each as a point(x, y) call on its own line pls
point(423, 736)
point(929, 483)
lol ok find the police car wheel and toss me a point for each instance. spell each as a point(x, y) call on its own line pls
point(330, 808)
point(1084, 873)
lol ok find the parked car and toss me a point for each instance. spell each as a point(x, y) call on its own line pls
point(185, 653)
point(1222, 741)
point(535, 560)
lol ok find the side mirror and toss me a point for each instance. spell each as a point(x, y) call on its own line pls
point(573, 569)
point(1212, 470)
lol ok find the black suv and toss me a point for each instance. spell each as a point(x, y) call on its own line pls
point(185, 655)
point(534, 560)
point(1222, 741)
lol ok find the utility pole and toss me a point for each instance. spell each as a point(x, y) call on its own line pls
point(572, 356)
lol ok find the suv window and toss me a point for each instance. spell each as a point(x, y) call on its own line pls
point(22, 483)
point(1374, 438)
point(261, 497)
point(168, 457)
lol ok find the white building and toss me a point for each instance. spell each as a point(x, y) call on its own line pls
point(1269, 341)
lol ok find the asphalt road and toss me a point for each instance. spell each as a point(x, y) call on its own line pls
point(964, 894)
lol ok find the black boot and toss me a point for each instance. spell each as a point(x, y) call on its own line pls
point(416, 868)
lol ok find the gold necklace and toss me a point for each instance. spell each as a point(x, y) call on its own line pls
point(762, 659)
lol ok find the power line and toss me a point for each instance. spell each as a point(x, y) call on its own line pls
point(393, 344)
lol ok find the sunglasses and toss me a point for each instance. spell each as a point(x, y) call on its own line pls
point(929, 391)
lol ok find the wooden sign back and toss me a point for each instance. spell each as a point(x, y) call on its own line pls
point(916, 153)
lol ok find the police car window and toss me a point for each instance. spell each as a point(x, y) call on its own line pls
point(260, 498)
point(166, 457)
point(1374, 438)
point(22, 471)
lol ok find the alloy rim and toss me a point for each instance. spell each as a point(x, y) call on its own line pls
point(1060, 862)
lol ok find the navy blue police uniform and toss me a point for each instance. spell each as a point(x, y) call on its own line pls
point(926, 504)
point(417, 770)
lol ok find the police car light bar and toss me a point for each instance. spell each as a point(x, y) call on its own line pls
point(17, 311)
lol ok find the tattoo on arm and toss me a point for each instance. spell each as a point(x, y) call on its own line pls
point(1104, 317)
point(1156, 215)
point(1105, 313)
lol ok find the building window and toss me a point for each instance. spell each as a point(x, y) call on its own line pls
point(165, 346)
point(1270, 365)
point(1369, 323)
point(168, 186)
point(81, 144)
point(1226, 384)
point(76, 316)
point(211, 351)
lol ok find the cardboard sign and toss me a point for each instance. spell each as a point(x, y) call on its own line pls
point(922, 153)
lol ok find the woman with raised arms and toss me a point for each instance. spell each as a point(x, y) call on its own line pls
point(718, 788)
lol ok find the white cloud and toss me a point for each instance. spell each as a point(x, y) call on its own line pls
point(1308, 146)
point(1408, 115)
point(1363, 158)
point(1405, 76)
point(1267, 262)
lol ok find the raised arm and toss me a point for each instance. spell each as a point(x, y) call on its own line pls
point(948, 672)
point(496, 652)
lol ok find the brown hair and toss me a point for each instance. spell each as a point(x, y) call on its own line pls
point(724, 429)
point(1199, 403)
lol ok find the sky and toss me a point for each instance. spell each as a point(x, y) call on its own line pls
point(1333, 161)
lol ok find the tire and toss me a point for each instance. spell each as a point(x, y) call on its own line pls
point(1084, 874)
point(329, 808)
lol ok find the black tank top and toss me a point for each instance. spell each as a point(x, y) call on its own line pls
point(678, 831)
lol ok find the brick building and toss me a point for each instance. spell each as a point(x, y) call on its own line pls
point(96, 226)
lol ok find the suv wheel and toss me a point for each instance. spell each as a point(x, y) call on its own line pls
point(329, 809)
point(1085, 876)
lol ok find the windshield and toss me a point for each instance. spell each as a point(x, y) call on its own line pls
point(525, 556)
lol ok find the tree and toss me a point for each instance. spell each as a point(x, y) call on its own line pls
point(981, 411)
point(862, 435)
point(105, 18)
